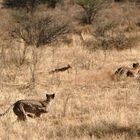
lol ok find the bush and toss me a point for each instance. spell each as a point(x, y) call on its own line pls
point(91, 8)
point(28, 5)
point(119, 42)
point(109, 36)
point(52, 3)
point(37, 31)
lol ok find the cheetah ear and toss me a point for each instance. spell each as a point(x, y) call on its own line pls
point(69, 66)
point(47, 96)
point(135, 65)
point(53, 95)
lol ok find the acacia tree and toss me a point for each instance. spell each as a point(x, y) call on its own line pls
point(91, 8)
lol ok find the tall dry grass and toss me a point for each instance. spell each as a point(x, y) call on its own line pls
point(88, 104)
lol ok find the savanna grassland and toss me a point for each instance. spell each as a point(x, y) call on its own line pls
point(89, 104)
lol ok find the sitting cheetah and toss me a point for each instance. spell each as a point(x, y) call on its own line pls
point(30, 108)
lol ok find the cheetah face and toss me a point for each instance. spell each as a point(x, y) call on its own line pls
point(50, 97)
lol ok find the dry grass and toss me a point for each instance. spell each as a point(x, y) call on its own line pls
point(88, 104)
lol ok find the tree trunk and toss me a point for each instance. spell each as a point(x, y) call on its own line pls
point(23, 55)
point(89, 16)
point(33, 66)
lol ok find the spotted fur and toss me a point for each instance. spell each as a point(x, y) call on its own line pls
point(30, 108)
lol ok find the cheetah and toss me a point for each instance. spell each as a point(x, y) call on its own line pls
point(30, 108)
point(128, 71)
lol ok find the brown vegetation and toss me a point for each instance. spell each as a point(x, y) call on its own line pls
point(89, 103)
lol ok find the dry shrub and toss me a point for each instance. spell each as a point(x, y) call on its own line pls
point(109, 36)
point(64, 40)
point(82, 18)
point(13, 54)
point(38, 30)
point(120, 39)
point(91, 45)
point(118, 42)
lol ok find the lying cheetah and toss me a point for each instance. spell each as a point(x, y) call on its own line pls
point(127, 71)
point(30, 108)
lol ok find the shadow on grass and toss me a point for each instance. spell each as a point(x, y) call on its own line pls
point(106, 129)
point(99, 130)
